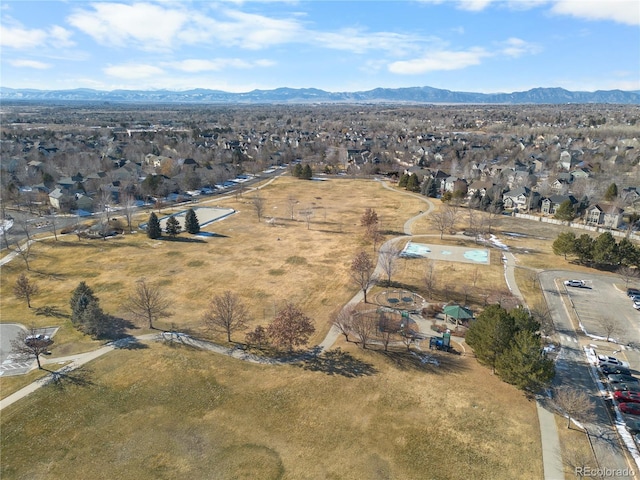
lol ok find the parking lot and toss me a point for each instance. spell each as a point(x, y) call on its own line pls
point(599, 301)
point(11, 363)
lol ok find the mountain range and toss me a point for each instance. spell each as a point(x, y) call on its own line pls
point(412, 95)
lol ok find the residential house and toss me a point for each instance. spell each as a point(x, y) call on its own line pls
point(521, 198)
point(480, 186)
point(605, 215)
point(549, 205)
point(56, 198)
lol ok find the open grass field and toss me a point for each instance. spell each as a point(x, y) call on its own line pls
point(174, 412)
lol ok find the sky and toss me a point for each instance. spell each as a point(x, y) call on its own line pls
point(485, 46)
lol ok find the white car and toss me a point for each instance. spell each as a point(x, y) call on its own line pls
point(611, 361)
point(574, 283)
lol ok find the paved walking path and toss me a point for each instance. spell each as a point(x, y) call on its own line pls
point(551, 453)
point(548, 431)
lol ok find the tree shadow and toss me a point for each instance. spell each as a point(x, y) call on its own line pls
point(431, 361)
point(67, 376)
point(129, 343)
point(181, 239)
point(51, 311)
point(337, 362)
point(117, 329)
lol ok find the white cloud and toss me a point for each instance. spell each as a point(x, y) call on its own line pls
point(132, 71)
point(146, 25)
point(14, 35)
point(621, 11)
point(198, 65)
point(30, 64)
point(21, 38)
point(357, 41)
point(516, 47)
point(438, 61)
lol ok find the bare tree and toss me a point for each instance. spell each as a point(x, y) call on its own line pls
point(429, 277)
point(388, 259)
point(445, 220)
point(574, 403)
point(628, 274)
point(24, 288)
point(385, 330)
point(147, 302)
point(128, 208)
point(369, 219)
point(23, 249)
point(475, 276)
point(364, 326)
point(342, 319)
point(307, 214)
point(31, 342)
point(541, 313)
point(226, 313)
point(54, 225)
point(362, 269)
point(104, 200)
point(291, 205)
point(258, 205)
point(257, 337)
point(610, 327)
point(290, 328)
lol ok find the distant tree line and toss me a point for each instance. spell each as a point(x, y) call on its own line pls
point(303, 172)
point(601, 252)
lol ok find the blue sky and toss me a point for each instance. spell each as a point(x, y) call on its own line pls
point(238, 46)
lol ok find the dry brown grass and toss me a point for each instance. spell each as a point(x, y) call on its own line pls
point(171, 412)
point(168, 412)
point(576, 450)
point(266, 265)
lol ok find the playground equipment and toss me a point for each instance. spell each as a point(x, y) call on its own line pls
point(400, 300)
point(441, 343)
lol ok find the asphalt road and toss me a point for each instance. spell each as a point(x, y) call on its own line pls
point(572, 367)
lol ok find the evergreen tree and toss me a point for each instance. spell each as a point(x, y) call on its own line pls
point(191, 223)
point(490, 334)
point(413, 184)
point(153, 227)
point(485, 203)
point(628, 253)
point(307, 173)
point(565, 211)
point(564, 244)
point(605, 250)
point(95, 322)
point(429, 188)
point(173, 226)
point(611, 193)
point(81, 297)
point(524, 364)
point(297, 171)
point(583, 248)
point(403, 180)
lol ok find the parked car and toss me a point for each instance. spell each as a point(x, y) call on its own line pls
point(614, 369)
point(630, 408)
point(625, 387)
point(38, 341)
point(611, 361)
point(636, 305)
point(620, 378)
point(632, 291)
point(632, 423)
point(574, 283)
point(635, 298)
point(626, 397)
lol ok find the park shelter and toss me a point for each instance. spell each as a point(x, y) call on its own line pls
point(457, 312)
